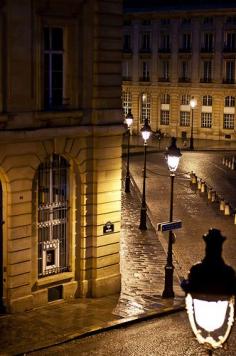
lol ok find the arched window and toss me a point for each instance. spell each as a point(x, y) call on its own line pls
point(145, 106)
point(53, 249)
point(165, 99)
point(207, 100)
point(229, 101)
point(126, 102)
point(185, 99)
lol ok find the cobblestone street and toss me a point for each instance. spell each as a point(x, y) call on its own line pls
point(142, 264)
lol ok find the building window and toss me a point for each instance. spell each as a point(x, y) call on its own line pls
point(145, 76)
point(206, 120)
point(145, 107)
point(184, 118)
point(186, 21)
point(229, 71)
point(185, 99)
point(230, 41)
point(165, 22)
point(126, 70)
point(231, 20)
point(229, 101)
point(165, 117)
point(126, 102)
point(207, 42)
point(164, 42)
point(207, 100)
point(53, 244)
point(206, 71)
point(207, 20)
point(146, 22)
point(186, 42)
point(53, 68)
point(184, 71)
point(165, 99)
point(146, 41)
point(228, 121)
point(164, 70)
point(127, 42)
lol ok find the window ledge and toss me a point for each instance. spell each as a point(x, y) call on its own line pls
point(56, 278)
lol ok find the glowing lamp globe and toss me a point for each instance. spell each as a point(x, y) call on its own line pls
point(193, 103)
point(146, 131)
point(129, 119)
point(210, 290)
point(173, 155)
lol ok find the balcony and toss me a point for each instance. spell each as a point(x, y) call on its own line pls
point(144, 79)
point(206, 80)
point(164, 50)
point(184, 80)
point(229, 49)
point(228, 81)
point(164, 80)
point(185, 50)
point(126, 78)
point(145, 50)
point(207, 49)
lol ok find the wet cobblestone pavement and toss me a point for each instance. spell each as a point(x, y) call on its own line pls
point(143, 261)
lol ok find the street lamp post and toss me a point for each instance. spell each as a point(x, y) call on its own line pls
point(128, 121)
point(193, 103)
point(173, 155)
point(210, 295)
point(145, 132)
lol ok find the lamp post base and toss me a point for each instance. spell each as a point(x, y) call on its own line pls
point(168, 290)
point(127, 184)
point(191, 147)
point(143, 216)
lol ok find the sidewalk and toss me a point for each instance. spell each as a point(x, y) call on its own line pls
point(142, 267)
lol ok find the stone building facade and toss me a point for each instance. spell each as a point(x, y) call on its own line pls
point(61, 132)
point(171, 54)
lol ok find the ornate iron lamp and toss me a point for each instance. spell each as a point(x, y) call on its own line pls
point(128, 121)
point(210, 295)
point(193, 104)
point(173, 155)
point(146, 133)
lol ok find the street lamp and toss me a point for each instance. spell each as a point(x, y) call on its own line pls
point(145, 132)
point(173, 155)
point(193, 103)
point(128, 121)
point(210, 295)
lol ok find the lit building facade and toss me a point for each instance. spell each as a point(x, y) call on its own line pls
point(172, 55)
point(60, 150)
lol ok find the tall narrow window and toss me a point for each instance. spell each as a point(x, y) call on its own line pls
point(186, 42)
point(165, 117)
point(184, 118)
point(52, 216)
point(145, 71)
point(146, 41)
point(228, 121)
point(229, 71)
point(185, 99)
point(53, 68)
point(207, 100)
point(165, 70)
point(165, 99)
point(229, 101)
point(230, 41)
point(127, 43)
point(164, 42)
point(145, 107)
point(208, 42)
point(126, 101)
point(207, 71)
point(206, 119)
point(184, 71)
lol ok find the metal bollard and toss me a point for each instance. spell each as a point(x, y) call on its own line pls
point(234, 218)
point(227, 209)
point(203, 186)
point(209, 193)
point(222, 204)
point(199, 184)
point(213, 196)
point(194, 179)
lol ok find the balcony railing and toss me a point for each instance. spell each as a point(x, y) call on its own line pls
point(229, 49)
point(184, 80)
point(164, 50)
point(185, 50)
point(162, 79)
point(144, 79)
point(206, 49)
point(206, 80)
point(228, 81)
